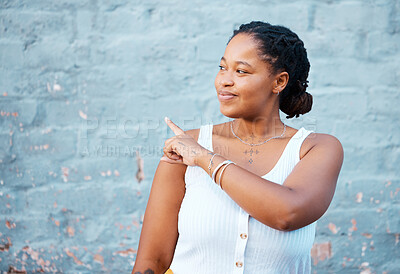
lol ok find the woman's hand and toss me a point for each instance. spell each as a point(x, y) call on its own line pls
point(181, 148)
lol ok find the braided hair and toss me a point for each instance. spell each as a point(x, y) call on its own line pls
point(284, 51)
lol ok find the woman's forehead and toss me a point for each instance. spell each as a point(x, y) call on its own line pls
point(242, 49)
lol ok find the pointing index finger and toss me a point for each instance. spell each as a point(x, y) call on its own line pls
point(177, 130)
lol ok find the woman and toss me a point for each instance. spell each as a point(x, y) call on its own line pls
point(247, 192)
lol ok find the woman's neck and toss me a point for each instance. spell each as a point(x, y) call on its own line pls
point(259, 128)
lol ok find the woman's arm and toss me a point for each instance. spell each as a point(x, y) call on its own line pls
point(160, 224)
point(159, 233)
point(302, 199)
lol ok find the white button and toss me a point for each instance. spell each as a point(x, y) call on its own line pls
point(239, 264)
point(243, 235)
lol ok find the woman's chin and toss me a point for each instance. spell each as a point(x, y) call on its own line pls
point(228, 112)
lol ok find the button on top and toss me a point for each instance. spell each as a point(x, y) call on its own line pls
point(239, 264)
point(243, 235)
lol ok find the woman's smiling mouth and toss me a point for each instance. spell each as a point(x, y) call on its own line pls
point(225, 96)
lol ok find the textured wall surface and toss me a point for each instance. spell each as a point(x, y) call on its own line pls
point(84, 85)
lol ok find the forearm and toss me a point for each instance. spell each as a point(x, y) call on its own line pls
point(268, 202)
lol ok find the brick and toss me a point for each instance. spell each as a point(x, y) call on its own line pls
point(9, 85)
point(45, 5)
point(356, 45)
point(5, 146)
point(176, 21)
point(211, 48)
point(39, 228)
point(393, 222)
point(371, 134)
point(127, 50)
point(383, 106)
point(132, 21)
point(123, 229)
point(58, 144)
point(354, 16)
point(53, 53)
point(113, 82)
point(366, 160)
point(32, 25)
point(38, 83)
point(64, 113)
point(20, 173)
point(382, 45)
point(87, 200)
point(178, 83)
point(100, 168)
point(394, 17)
point(11, 54)
point(376, 193)
point(390, 265)
point(17, 114)
point(367, 73)
point(126, 200)
point(354, 222)
point(351, 102)
point(352, 255)
point(321, 252)
point(85, 22)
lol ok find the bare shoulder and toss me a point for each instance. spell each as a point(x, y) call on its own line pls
point(327, 140)
point(325, 143)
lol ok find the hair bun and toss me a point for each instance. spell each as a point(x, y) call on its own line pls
point(294, 106)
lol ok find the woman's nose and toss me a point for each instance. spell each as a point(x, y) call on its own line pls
point(226, 80)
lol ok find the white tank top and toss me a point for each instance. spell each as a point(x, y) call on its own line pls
point(217, 236)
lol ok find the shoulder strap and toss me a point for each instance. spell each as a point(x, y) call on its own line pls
point(205, 136)
point(298, 141)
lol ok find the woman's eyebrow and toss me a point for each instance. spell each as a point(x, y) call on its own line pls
point(238, 62)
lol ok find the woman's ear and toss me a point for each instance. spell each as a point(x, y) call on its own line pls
point(281, 80)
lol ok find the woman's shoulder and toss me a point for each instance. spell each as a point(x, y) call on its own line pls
point(323, 141)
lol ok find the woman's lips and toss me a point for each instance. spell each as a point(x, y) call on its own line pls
point(226, 96)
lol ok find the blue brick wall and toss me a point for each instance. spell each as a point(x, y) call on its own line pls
point(84, 85)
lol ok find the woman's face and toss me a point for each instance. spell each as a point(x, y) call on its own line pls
point(244, 82)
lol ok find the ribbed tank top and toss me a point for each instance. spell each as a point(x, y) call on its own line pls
point(218, 236)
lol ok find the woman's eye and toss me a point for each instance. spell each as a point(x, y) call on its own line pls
point(221, 67)
point(241, 71)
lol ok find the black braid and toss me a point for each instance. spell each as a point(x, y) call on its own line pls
point(284, 50)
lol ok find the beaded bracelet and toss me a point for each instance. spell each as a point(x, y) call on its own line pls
point(218, 167)
point(211, 162)
point(222, 171)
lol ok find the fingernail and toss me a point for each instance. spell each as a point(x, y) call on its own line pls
point(166, 119)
